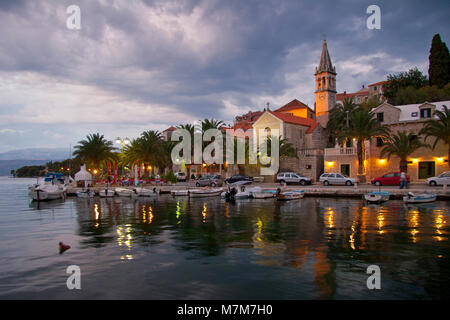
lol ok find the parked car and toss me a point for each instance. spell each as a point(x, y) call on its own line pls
point(443, 178)
point(181, 176)
point(389, 179)
point(292, 177)
point(238, 177)
point(210, 180)
point(336, 178)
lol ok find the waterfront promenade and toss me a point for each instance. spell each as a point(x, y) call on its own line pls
point(316, 190)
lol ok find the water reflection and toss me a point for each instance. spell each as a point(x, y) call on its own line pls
point(328, 242)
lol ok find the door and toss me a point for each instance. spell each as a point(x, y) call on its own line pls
point(339, 179)
point(345, 169)
point(426, 169)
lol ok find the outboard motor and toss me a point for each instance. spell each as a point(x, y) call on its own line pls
point(229, 195)
point(278, 191)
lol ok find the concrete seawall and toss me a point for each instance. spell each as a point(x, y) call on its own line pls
point(312, 191)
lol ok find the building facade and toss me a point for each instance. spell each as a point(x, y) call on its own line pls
point(422, 164)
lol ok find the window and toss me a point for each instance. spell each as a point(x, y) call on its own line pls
point(380, 142)
point(389, 175)
point(331, 175)
point(414, 114)
point(380, 116)
point(375, 88)
point(425, 113)
point(339, 176)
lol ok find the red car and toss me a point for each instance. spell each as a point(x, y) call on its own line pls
point(389, 179)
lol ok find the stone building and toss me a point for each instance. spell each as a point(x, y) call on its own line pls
point(422, 164)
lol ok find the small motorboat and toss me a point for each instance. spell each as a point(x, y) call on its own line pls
point(205, 192)
point(419, 198)
point(289, 195)
point(142, 192)
point(88, 193)
point(123, 192)
point(377, 196)
point(263, 194)
point(47, 192)
point(177, 193)
point(106, 193)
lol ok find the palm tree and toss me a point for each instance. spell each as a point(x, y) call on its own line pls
point(339, 116)
point(402, 145)
point(149, 148)
point(190, 128)
point(439, 129)
point(362, 126)
point(94, 150)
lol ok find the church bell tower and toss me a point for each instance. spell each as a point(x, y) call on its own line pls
point(325, 86)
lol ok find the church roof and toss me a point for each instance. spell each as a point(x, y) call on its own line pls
point(325, 64)
point(293, 105)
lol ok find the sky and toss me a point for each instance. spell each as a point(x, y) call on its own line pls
point(137, 65)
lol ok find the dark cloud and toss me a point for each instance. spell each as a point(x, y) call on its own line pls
point(198, 57)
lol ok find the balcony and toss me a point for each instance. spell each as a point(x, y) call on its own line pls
point(344, 151)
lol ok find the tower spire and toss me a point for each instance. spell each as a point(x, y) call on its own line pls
point(325, 64)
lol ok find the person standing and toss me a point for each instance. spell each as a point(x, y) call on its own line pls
point(402, 180)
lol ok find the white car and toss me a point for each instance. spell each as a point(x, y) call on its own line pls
point(336, 178)
point(443, 178)
point(181, 176)
point(292, 177)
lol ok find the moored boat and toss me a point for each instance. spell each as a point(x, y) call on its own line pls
point(263, 194)
point(47, 192)
point(85, 193)
point(179, 193)
point(205, 192)
point(143, 192)
point(377, 196)
point(419, 198)
point(290, 195)
point(106, 193)
point(123, 192)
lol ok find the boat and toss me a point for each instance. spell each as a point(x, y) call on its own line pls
point(47, 192)
point(85, 193)
point(106, 193)
point(53, 187)
point(377, 196)
point(142, 192)
point(289, 195)
point(123, 192)
point(205, 192)
point(264, 194)
point(182, 193)
point(419, 198)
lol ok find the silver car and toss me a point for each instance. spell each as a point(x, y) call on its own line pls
point(210, 180)
point(443, 178)
point(292, 177)
point(336, 178)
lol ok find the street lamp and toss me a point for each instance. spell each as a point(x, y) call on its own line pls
point(123, 143)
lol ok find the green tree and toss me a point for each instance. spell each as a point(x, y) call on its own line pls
point(402, 145)
point(439, 63)
point(339, 120)
point(439, 129)
point(413, 78)
point(95, 150)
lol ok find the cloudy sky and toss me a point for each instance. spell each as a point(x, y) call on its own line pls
point(139, 65)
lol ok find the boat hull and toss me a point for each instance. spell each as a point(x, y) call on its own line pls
point(377, 197)
point(420, 198)
point(107, 193)
point(204, 193)
point(290, 195)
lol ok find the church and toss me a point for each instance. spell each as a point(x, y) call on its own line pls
point(301, 126)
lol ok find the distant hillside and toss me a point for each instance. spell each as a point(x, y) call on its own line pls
point(54, 154)
point(7, 165)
